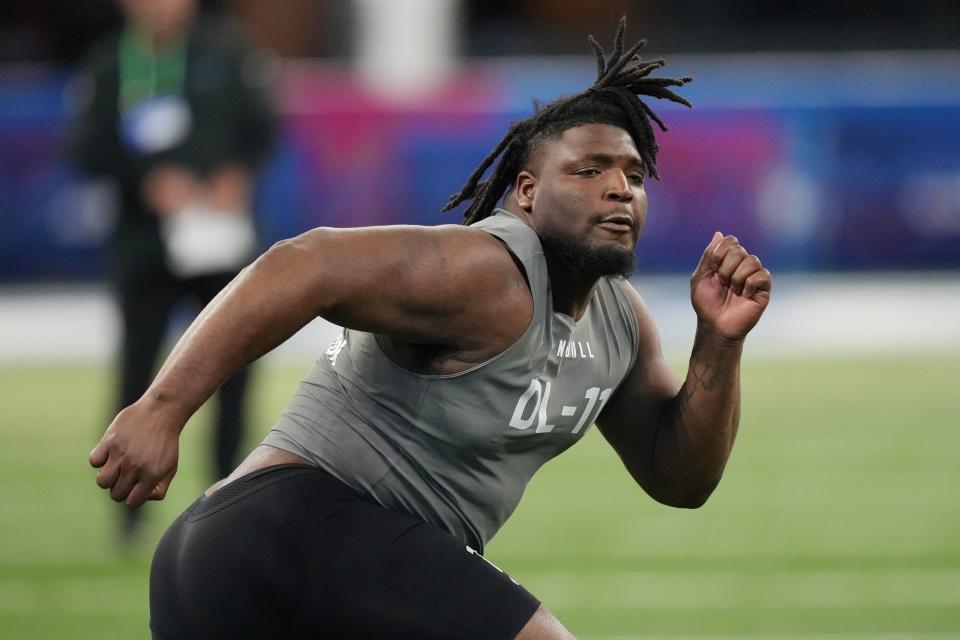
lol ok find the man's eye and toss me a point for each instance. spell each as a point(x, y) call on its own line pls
point(636, 178)
point(588, 172)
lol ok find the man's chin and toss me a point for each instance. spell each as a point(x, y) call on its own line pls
point(613, 260)
point(594, 260)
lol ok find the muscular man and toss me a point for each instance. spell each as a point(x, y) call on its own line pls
point(472, 354)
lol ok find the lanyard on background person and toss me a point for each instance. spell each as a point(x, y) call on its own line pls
point(154, 114)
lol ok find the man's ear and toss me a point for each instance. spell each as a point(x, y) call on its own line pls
point(526, 188)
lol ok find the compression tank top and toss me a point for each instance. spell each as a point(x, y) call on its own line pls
point(458, 450)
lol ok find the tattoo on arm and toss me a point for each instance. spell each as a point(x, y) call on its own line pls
point(703, 378)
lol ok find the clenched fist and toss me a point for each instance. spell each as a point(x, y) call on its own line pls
point(730, 288)
point(137, 456)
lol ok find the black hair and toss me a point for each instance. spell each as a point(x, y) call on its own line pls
point(612, 99)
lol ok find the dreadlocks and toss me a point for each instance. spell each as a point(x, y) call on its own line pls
point(612, 99)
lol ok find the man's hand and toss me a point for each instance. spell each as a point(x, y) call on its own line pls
point(729, 289)
point(137, 456)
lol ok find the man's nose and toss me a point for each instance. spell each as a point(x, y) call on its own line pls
point(618, 189)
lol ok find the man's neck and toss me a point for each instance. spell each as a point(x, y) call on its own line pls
point(571, 289)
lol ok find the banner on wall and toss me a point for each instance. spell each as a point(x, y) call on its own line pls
point(851, 166)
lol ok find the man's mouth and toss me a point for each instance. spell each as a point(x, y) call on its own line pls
point(618, 223)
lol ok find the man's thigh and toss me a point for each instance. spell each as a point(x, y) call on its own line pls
point(405, 578)
point(298, 553)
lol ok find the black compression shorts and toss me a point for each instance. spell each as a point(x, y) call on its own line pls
point(291, 552)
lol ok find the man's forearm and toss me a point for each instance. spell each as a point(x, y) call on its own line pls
point(698, 427)
point(264, 305)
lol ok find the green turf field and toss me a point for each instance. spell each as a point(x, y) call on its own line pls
point(838, 516)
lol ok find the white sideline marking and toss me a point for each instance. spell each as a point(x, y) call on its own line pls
point(822, 315)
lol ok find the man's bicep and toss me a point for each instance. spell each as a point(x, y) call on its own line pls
point(414, 283)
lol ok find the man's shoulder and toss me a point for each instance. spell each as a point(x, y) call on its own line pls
point(472, 250)
point(461, 277)
point(511, 229)
point(445, 259)
point(483, 267)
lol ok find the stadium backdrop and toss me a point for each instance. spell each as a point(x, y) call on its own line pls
point(842, 163)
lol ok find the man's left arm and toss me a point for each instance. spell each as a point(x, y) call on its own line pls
point(675, 439)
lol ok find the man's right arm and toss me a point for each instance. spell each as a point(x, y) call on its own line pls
point(429, 285)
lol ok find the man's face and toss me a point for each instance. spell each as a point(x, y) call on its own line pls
point(584, 192)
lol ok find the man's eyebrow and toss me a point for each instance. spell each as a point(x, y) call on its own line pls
point(607, 159)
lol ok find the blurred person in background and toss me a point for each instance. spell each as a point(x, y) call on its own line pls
point(174, 110)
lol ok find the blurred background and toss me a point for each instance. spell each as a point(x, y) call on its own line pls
point(825, 135)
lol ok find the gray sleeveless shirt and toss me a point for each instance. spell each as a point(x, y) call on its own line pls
point(458, 450)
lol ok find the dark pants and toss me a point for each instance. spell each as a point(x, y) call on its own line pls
point(146, 305)
point(291, 552)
